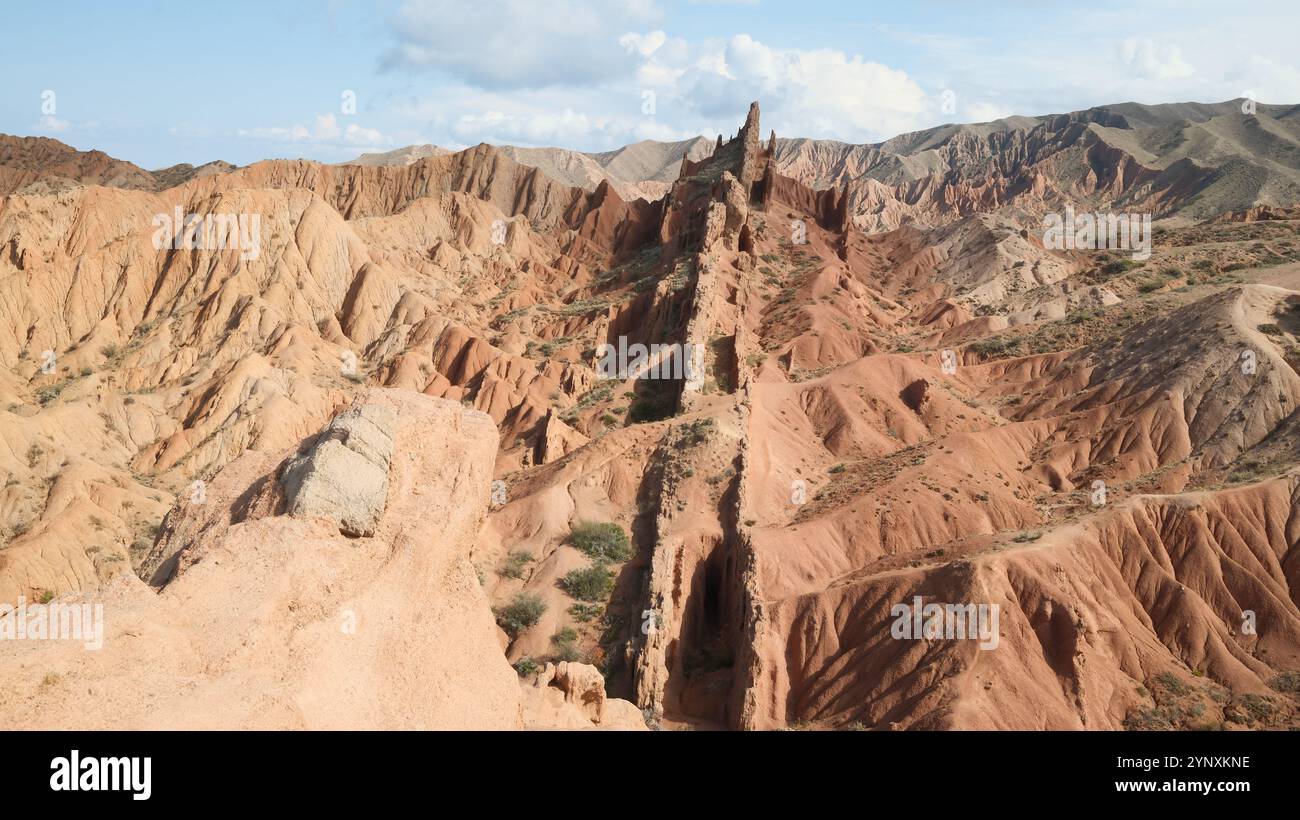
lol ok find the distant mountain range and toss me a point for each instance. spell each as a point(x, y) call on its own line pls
point(1187, 162)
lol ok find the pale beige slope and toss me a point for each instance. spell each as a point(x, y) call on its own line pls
point(641, 170)
point(398, 156)
point(170, 363)
point(257, 632)
point(273, 621)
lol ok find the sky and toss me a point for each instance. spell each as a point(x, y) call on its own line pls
point(159, 83)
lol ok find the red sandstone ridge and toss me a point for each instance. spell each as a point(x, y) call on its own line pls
point(897, 392)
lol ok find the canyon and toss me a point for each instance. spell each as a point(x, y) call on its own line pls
point(374, 475)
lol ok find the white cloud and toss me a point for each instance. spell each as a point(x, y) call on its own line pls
point(1266, 81)
point(356, 135)
point(643, 44)
point(563, 128)
point(325, 132)
point(521, 75)
point(52, 124)
point(699, 88)
point(1153, 60)
point(815, 93)
point(986, 112)
point(517, 43)
point(327, 128)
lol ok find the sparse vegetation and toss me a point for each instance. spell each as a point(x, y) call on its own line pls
point(656, 401)
point(1173, 683)
point(524, 611)
point(515, 564)
point(50, 392)
point(1118, 266)
point(1288, 682)
point(526, 667)
point(585, 613)
point(996, 346)
point(695, 433)
point(566, 645)
point(594, 583)
point(601, 540)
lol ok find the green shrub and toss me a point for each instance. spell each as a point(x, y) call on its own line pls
point(584, 613)
point(696, 432)
point(601, 540)
point(50, 392)
point(524, 611)
point(656, 405)
point(515, 563)
point(1253, 708)
point(593, 583)
point(996, 346)
point(1118, 266)
point(526, 666)
point(566, 645)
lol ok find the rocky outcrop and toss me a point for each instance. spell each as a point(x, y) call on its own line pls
point(279, 622)
point(343, 478)
point(272, 622)
point(571, 695)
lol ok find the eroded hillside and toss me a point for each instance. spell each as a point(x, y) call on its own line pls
point(894, 390)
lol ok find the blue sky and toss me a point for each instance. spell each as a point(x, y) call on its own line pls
point(158, 83)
